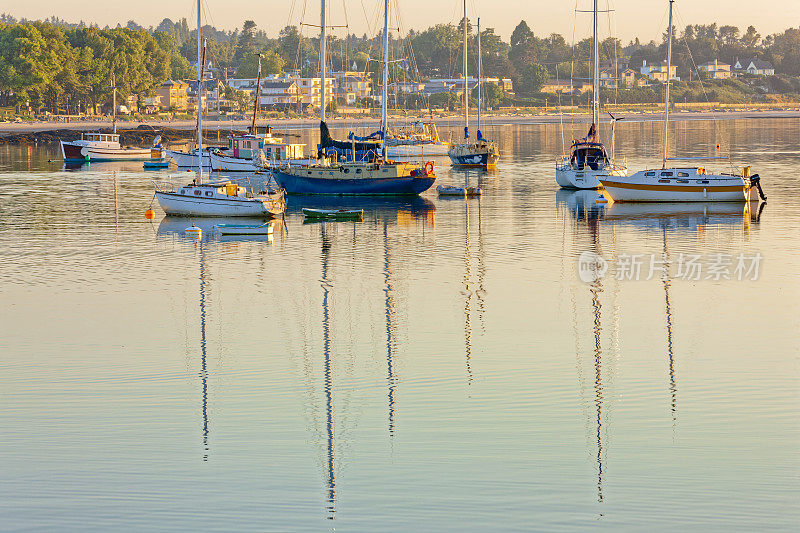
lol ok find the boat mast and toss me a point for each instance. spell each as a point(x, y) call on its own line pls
point(480, 70)
point(322, 62)
point(466, 89)
point(258, 91)
point(595, 71)
point(666, 92)
point(385, 111)
point(199, 100)
point(114, 102)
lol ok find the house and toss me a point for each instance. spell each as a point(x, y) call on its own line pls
point(628, 78)
point(716, 70)
point(756, 67)
point(277, 93)
point(443, 85)
point(174, 95)
point(407, 87)
point(659, 72)
point(557, 86)
point(608, 78)
point(355, 83)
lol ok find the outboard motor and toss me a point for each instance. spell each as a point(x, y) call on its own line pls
point(755, 181)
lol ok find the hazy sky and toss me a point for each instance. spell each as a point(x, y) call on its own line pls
point(645, 19)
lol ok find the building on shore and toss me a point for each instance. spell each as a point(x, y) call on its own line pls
point(658, 72)
point(715, 70)
point(755, 67)
point(173, 95)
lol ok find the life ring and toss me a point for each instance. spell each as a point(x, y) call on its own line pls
point(429, 167)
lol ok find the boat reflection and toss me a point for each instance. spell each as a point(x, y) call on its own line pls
point(176, 226)
point(405, 210)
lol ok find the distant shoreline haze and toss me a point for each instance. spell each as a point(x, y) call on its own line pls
point(631, 18)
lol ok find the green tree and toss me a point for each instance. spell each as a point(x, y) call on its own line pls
point(271, 63)
point(532, 79)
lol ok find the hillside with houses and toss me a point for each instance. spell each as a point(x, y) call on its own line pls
point(58, 68)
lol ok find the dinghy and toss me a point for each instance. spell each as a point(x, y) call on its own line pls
point(334, 214)
point(458, 191)
point(156, 163)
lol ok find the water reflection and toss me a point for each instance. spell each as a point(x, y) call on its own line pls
point(390, 326)
point(328, 381)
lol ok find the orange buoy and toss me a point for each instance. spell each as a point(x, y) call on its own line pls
point(717, 147)
point(149, 214)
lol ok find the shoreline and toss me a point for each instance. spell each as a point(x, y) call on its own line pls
point(19, 133)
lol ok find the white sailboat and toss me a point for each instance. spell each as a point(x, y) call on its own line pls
point(222, 198)
point(685, 183)
point(480, 153)
point(588, 159)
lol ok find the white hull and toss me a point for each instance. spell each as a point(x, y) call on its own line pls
point(222, 163)
point(418, 150)
point(570, 178)
point(188, 159)
point(676, 185)
point(175, 204)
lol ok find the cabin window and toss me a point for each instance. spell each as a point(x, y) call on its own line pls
point(649, 173)
point(209, 193)
point(183, 191)
point(704, 182)
point(666, 173)
point(683, 174)
point(683, 181)
point(663, 181)
point(358, 171)
point(197, 193)
point(347, 171)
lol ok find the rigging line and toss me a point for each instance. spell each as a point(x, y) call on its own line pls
point(572, 70)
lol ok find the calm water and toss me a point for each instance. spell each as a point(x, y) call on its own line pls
point(439, 366)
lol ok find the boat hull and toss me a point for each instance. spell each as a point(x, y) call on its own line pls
point(394, 186)
point(188, 159)
point(570, 178)
point(223, 163)
point(73, 153)
point(177, 205)
point(708, 188)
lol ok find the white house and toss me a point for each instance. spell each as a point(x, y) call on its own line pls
point(756, 67)
point(716, 70)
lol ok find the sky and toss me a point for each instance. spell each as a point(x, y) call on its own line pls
point(645, 19)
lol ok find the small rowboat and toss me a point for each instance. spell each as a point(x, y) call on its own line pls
point(458, 191)
point(334, 214)
point(245, 229)
point(156, 163)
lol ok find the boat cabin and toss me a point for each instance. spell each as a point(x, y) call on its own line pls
point(101, 137)
point(591, 155)
point(248, 146)
point(214, 190)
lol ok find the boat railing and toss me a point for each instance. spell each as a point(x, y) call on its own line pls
point(164, 187)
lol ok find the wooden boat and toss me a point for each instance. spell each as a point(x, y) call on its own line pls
point(245, 229)
point(458, 191)
point(334, 214)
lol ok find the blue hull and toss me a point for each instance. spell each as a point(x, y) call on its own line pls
point(378, 186)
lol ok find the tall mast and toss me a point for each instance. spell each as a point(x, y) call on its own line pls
point(199, 100)
point(596, 71)
point(666, 92)
point(385, 114)
point(480, 73)
point(322, 62)
point(114, 102)
point(258, 95)
point(466, 89)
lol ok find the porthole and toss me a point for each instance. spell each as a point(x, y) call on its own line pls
point(666, 173)
point(649, 173)
point(663, 181)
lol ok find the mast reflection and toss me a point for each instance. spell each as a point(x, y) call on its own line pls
point(203, 348)
point(326, 346)
point(390, 313)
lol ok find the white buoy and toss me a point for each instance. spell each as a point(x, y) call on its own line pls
point(194, 231)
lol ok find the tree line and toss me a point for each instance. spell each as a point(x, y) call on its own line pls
point(60, 66)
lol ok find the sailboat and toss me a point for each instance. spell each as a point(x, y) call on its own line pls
point(97, 146)
point(421, 139)
point(680, 184)
point(221, 198)
point(589, 159)
point(481, 153)
point(379, 177)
